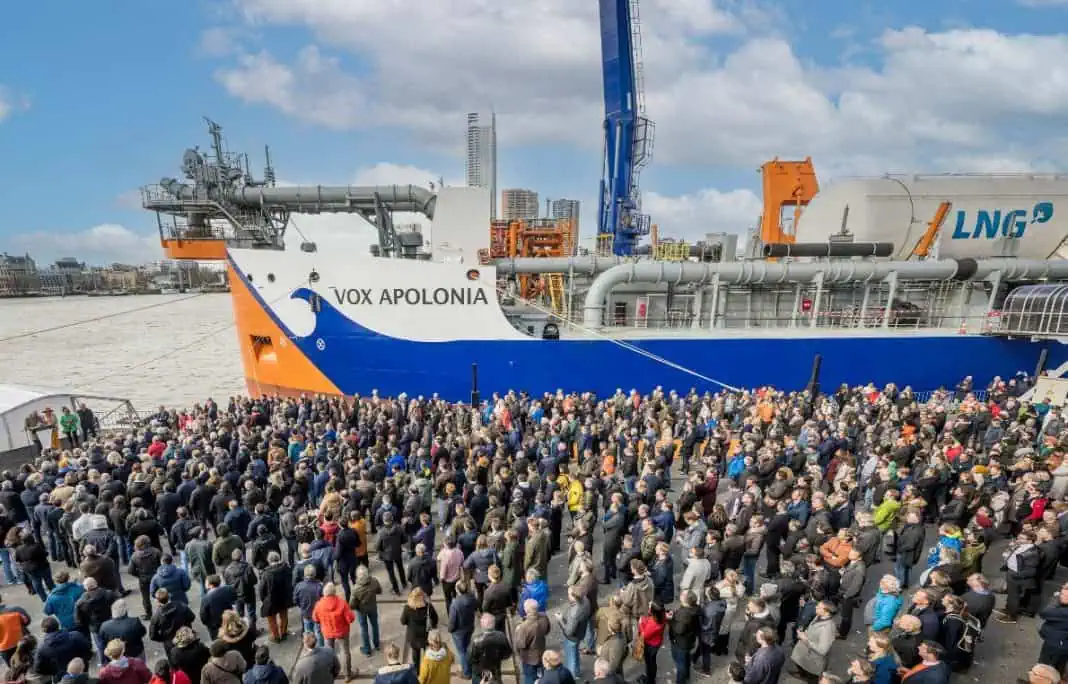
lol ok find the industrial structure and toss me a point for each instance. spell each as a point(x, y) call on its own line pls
point(901, 280)
point(628, 133)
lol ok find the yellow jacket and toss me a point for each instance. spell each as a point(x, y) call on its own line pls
point(435, 665)
point(575, 491)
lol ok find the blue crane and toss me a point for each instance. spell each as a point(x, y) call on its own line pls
point(628, 134)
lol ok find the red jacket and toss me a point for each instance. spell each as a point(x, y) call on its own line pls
point(334, 616)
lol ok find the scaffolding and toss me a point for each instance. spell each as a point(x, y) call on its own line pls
point(535, 238)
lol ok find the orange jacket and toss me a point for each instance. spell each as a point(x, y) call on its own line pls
point(835, 552)
point(334, 616)
point(360, 526)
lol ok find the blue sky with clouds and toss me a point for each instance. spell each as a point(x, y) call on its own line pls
point(94, 104)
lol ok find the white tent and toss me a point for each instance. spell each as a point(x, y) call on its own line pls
point(18, 402)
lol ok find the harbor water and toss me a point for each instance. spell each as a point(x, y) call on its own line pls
point(179, 351)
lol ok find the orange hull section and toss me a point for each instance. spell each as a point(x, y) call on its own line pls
point(272, 364)
point(198, 250)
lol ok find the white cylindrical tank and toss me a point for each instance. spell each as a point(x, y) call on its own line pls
point(1023, 216)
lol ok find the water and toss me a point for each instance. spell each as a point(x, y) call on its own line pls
point(176, 353)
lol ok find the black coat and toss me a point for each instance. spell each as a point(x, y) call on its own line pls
point(58, 649)
point(212, 606)
point(168, 620)
point(389, 543)
point(94, 609)
point(275, 590)
point(684, 627)
point(190, 659)
point(419, 622)
point(131, 630)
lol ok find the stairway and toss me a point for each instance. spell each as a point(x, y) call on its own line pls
point(557, 296)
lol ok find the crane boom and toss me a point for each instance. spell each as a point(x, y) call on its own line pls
point(627, 131)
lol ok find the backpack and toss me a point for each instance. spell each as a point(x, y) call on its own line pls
point(970, 633)
point(889, 544)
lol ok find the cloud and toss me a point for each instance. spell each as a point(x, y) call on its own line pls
point(11, 102)
point(690, 217)
point(537, 63)
point(931, 98)
point(220, 41)
point(102, 244)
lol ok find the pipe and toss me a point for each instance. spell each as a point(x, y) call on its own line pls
point(741, 272)
point(582, 265)
point(828, 249)
point(312, 198)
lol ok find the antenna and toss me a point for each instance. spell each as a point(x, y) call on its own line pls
point(215, 130)
point(268, 170)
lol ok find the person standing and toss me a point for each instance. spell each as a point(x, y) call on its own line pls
point(144, 563)
point(765, 665)
point(1054, 632)
point(395, 672)
point(219, 599)
point(813, 647)
point(276, 595)
point(389, 543)
point(129, 630)
point(450, 563)
point(462, 623)
point(306, 595)
point(574, 621)
point(317, 664)
point(198, 557)
point(488, 650)
point(335, 620)
point(683, 627)
point(437, 661)
point(418, 617)
point(62, 599)
point(364, 601)
point(530, 640)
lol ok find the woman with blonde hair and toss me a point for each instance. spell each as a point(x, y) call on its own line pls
point(418, 617)
point(437, 661)
point(882, 659)
point(732, 590)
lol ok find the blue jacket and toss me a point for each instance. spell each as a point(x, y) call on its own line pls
point(61, 602)
point(537, 590)
point(174, 580)
point(305, 595)
point(265, 674)
point(885, 610)
point(396, 674)
point(885, 670)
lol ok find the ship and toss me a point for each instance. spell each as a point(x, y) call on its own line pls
point(915, 280)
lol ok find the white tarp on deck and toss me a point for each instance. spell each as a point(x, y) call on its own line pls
point(17, 402)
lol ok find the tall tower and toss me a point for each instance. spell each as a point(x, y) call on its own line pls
point(482, 157)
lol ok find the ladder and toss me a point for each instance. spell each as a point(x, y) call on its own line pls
point(556, 293)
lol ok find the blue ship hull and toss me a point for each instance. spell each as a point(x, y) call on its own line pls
point(359, 360)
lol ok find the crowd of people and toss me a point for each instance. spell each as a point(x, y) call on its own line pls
point(741, 532)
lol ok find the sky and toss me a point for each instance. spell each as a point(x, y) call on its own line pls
point(376, 91)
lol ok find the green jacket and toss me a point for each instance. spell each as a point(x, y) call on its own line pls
point(885, 514)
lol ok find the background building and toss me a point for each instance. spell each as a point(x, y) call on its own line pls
point(520, 204)
point(482, 157)
point(568, 209)
point(18, 275)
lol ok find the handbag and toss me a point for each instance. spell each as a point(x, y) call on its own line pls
point(638, 652)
